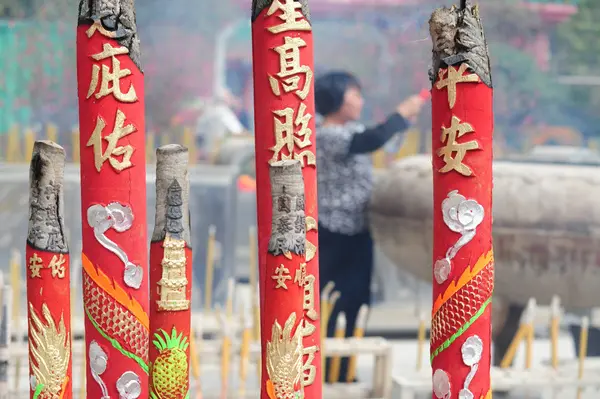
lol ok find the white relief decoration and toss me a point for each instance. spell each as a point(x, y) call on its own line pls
point(462, 216)
point(98, 365)
point(471, 351)
point(441, 384)
point(129, 386)
point(120, 218)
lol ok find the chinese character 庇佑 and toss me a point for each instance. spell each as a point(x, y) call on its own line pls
point(286, 137)
point(97, 26)
point(57, 266)
point(282, 274)
point(454, 77)
point(35, 265)
point(290, 69)
point(453, 152)
point(110, 82)
point(112, 149)
point(290, 15)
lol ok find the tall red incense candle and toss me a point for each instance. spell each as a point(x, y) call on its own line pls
point(462, 188)
point(113, 199)
point(48, 280)
point(282, 50)
point(171, 276)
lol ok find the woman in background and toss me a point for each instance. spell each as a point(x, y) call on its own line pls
point(344, 188)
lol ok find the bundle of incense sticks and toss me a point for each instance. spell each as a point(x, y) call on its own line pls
point(525, 332)
point(5, 334)
point(336, 362)
point(583, 344)
point(246, 323)
point(554, 330)
point(359, 332)
point(210, 268)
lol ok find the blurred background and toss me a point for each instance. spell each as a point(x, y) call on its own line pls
point(545, 63)
point(197, 63)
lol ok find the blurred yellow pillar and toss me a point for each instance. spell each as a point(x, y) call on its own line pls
point(13, 145)
point(75, 137)
point(52, 132)
point(29, 140)
point(189, 141)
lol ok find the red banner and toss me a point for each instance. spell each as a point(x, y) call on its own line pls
point(462, 253)
point(49, 316)
point(284, 130)
point(113, 200)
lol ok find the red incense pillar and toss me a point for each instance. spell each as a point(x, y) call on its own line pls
point(463, 263)
point(171, 276)
point(287, 213)
point(48, 280)
point(113, 200)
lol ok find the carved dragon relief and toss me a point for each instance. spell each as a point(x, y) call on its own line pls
point(117, 19)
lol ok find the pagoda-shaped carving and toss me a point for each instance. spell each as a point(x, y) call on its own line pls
point(173, 284)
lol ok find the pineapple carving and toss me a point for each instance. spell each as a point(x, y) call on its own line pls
point(170, 371)
point(284, 361)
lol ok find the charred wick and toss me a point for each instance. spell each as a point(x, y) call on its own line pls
point(458, 36)
point(46, 230)
point(259, 5)
point(117, 17)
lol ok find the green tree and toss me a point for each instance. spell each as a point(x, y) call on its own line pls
point(577, 48)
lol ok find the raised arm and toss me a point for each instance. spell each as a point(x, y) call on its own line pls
point(374, 138)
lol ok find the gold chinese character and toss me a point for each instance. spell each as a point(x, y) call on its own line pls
point(57, 266)
point(290, 15)
point(309, 298)
point(311, 249)
point(454, 77)
point(286, 137)
point(111, 82)
point(112, 149)
point(290, 69)
point(309, 378)
point(97, 26)
point(35, 265)
point(282, 274)
point(300, 276)
point(453, 153)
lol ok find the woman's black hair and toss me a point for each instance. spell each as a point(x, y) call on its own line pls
point(330, 89)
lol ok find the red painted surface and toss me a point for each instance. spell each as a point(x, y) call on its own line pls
point(49, 286)
point(180, 320)
point(104, 187)
point(458, 306)
point(278, 304)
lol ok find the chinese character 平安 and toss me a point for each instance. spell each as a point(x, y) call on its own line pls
point(282, 274)
point(454, 77)
point(35, 265)
point(453, 153)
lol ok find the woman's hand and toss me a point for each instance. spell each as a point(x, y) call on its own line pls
point(411, 107)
